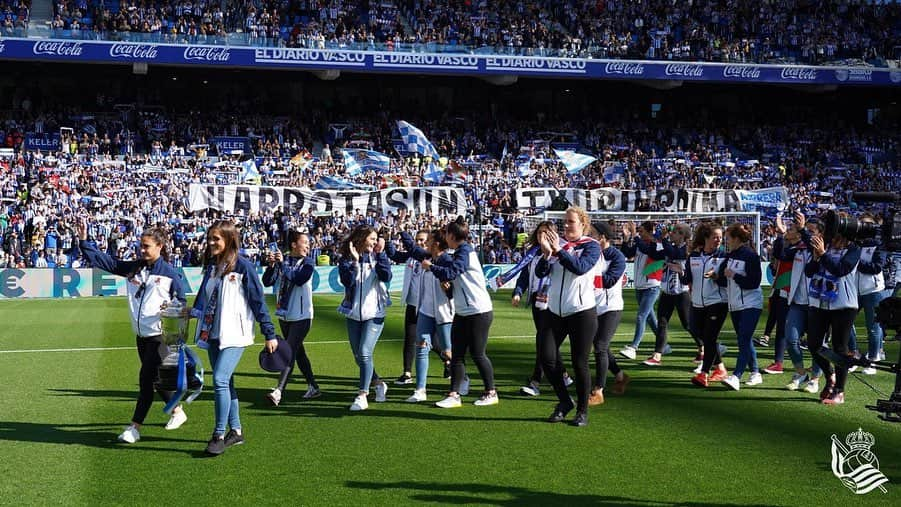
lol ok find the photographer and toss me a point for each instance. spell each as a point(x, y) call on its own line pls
point(833, 305)
point(870, 286)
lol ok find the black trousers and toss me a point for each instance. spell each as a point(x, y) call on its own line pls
point(669, 302)
point(151, 352)
point(410, 316)
point(581, 328)
point(707, 322)
point(470, 333)
point(603, 359)
point(295, 332)
point(542, 320)
point(839, 322)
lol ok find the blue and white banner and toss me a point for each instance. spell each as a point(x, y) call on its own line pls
point(573, 161)
point(774, 198)
point(357, 161)
point(43, 142)
point(227, 144)
point(414, 141)
point(426, 63)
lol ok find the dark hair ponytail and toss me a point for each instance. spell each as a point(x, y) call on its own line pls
point(459, 229)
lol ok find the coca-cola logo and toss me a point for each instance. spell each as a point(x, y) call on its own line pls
point(684, 70)
point(57, 48)
point(741, 71)
point(207, 53)
point(895, 76)
point(2, 46)
point(137, 51)
point(624, 68)
point(799, 73)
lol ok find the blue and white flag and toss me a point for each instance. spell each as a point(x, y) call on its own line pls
point(434, 173)
point(249, 171)
point(614, 172)
point(504, 154)
point(525, 168)
point(414, 141)
point(357, 161)
point(573, 161)
point(335, 183)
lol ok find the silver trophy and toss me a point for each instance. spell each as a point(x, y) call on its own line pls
point(174, 322)
point(181, 372)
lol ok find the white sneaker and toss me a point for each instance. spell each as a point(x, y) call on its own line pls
point(130, 435)
point(628, 352)
point(881, 356)
point(852, 368)
point(418, 395)
point(464, 387)
point(732, 382)
point(360, 403)
point(813, 386)
point(869, 371)
point(797, 380)
point(450, 402)
point(697, 370)
point(530, 389)
point(275, 396)
point(567, 380)
point(381, 392)
point(177, 419)
point(487, 399)
point(755, 379)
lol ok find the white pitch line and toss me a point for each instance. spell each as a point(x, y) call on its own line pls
point(326, 342)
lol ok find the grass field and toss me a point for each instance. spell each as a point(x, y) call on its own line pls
point(664, 443)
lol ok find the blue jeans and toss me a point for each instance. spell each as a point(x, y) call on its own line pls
point(745, 322)
point(429, 335)
point(224, 362)
point(646, 299)
point(363, 336)
point(795, 328)
point(868, 304)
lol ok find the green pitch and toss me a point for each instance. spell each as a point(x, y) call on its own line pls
point(664, 443)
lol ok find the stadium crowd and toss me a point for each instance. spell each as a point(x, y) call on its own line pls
point(799, 31)
point(129, 179)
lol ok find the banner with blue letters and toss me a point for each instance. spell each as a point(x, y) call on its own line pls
point(427, 63)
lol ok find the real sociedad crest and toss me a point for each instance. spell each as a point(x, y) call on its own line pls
point(855, 464)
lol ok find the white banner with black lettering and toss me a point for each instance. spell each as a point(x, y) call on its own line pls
point(232, 198)
point(696, 200)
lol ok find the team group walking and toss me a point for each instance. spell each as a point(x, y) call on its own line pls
point(572, 280)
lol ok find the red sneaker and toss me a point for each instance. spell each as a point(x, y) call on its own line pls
point(651, 361)
point(719, 375)
point(834, 399)
point(700, 380)
point(828, 390)
point(774, 369)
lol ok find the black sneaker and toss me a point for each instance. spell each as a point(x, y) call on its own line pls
point(447, 371)
point(762, 341)
point(404, 380)
point(803, 344)
point(560, 412)
point(233, 438)
point(580, 420)
point(216, 445)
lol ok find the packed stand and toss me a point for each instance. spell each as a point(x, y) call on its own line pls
point(130, 175)
point(14, 15)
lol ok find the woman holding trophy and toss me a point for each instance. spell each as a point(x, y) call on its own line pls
point(152, 283)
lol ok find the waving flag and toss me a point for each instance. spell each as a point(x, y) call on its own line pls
point(335, 183)
point(573, 161)
point(357, 161)
point(249, 171)
point(414, 141)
